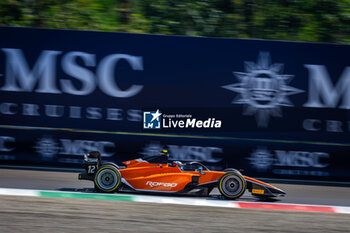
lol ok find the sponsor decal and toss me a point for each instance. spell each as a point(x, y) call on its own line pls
point(157, 184)
point(73, 73)
point(185, 152)
point(333, 126)
point(263, 89)
point(288, 162)
point(322, 93)
point(261, 159)
point(42, 78)
point(258, 191)
point(50, 148)
point(47, 147)
point(73, 112)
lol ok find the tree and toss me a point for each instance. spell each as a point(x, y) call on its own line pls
point(299, 20)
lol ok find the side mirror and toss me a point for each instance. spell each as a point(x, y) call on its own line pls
point(200, 170)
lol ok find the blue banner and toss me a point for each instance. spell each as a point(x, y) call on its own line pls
point(272, 108)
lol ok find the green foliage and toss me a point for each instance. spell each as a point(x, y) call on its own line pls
point(298, 20)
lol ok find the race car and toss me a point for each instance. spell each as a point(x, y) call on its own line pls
point(155, 174)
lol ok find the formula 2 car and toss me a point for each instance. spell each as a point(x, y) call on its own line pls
point(154, 174)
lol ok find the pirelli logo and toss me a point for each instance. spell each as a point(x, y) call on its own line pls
point(258, 191)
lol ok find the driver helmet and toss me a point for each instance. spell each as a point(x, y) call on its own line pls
point(164, 153)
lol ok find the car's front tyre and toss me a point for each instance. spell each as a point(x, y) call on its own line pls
point(232, 185)
point(107, 179)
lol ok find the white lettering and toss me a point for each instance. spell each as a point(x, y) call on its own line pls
point(190, 122)
point(43, 72)
point(320, 87)
point(74, 112)
point(134, 115)
point(41, 77)
point(54, 110)
point(85, 76)
point(157, 184)
point(105, 72)
point(93, 113)
point(30, 110)
point(311, 124)
point(5, 108)
point(114, 114)
point(334, 126)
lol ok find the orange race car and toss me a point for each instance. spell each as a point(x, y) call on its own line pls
point(154, 174)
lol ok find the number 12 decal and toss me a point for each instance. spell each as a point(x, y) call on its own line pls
point(91, 169)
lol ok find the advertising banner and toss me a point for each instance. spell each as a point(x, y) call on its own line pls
point(272, 108)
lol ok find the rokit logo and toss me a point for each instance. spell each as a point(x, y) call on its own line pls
point(185, 153)
point(20, 78)
point(263, 89)
point(49, 148)
point(288, 162)
point(157, 184)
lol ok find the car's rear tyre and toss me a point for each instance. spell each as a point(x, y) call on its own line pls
point(232, 185)
point(107, 179)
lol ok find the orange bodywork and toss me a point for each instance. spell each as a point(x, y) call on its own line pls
point(144, 176)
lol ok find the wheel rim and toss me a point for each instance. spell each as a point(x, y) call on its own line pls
point(107, 179)
point(232, 185)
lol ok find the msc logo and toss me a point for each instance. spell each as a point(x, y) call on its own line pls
point(262, 159)
point(263, 89)
point(151, 120)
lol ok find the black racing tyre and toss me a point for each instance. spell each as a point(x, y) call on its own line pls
point(232, 185)
point(107, 179)
point(232, 170)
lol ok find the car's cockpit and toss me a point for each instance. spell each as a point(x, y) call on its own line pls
point(163, 158)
